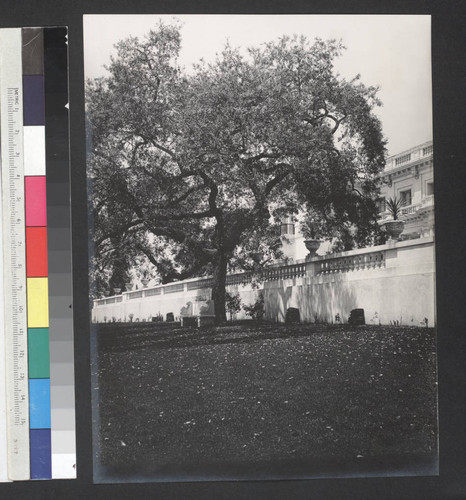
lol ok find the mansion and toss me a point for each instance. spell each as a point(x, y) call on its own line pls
point(407, 176)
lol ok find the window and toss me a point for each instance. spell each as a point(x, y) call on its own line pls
point(405, 197)
point(430, 189)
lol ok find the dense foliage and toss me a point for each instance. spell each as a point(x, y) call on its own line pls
point(195, 170)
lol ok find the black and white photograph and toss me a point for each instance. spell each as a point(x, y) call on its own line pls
point(261, 246)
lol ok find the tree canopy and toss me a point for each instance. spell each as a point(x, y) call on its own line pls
point(194, 170)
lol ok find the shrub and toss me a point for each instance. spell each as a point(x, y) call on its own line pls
point(394, 206)
point(233, 304)
point(256, 310)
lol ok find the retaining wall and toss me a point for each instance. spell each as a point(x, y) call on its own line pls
point(393, 283)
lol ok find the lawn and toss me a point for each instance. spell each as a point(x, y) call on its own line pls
point(264, 400)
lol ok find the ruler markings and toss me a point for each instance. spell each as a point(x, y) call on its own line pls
point(14, 255)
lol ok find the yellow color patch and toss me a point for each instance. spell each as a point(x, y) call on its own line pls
point(38, 302)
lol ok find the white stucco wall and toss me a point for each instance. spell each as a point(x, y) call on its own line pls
point(401, 290)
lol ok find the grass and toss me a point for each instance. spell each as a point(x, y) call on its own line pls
point(183, 401)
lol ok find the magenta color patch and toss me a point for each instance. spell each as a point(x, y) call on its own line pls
point(36, 203)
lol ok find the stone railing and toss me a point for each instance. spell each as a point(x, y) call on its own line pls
point(321, 287)
point(410, 209)
point(345, 264)
point(428, 201)
point(289, 271)
point(109, 300)
point(152, 291)
point(199, 284)
point(355, 260)
point(177, 287)
point(417, 153)
point(285, 272)
point(272, 273)
point(239, 279)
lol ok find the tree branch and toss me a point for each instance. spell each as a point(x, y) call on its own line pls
point(213, 193)
point(183, 197)
point(192, 215)
point(275, 181)
point(118, 231)
point(337, 121)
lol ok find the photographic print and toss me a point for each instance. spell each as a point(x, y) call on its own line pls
point(262, 260)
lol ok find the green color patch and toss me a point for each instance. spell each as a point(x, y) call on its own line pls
point(38, 352)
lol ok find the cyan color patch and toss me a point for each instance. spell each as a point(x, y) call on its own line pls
point(39, 403)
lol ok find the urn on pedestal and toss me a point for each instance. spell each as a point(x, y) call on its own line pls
point(393, 225)
point(312, 246)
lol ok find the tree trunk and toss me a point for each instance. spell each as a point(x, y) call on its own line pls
point(218, 287)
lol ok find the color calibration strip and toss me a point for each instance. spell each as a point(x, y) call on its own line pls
point(59, 254)
point(40, 151)
point(36, 254)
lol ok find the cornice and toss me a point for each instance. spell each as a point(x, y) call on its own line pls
point(414, 168)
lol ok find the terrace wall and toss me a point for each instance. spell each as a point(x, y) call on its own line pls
point(394, 282)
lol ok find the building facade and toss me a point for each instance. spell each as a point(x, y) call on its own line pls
point(407, 176)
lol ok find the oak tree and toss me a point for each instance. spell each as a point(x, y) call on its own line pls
point(195, 169)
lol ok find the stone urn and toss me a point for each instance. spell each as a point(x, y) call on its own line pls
point(393, 228)
point(312, 246)
point(145, 282)
point(107, 293)
point(128, 287)
point(117, 291)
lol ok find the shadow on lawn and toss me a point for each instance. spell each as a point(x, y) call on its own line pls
point(328, 412)
point(121, 339)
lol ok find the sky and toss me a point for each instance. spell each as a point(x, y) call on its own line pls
point(390, 51)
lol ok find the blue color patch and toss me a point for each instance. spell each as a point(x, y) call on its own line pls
point(39, 403)
point(41, 454)
point(33, 100)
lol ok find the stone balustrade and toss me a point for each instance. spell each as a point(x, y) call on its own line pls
point(405, 158)
point(395, 281)
point(410, 209)
point(371, 260)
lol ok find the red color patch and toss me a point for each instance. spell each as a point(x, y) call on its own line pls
point(36, 252)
